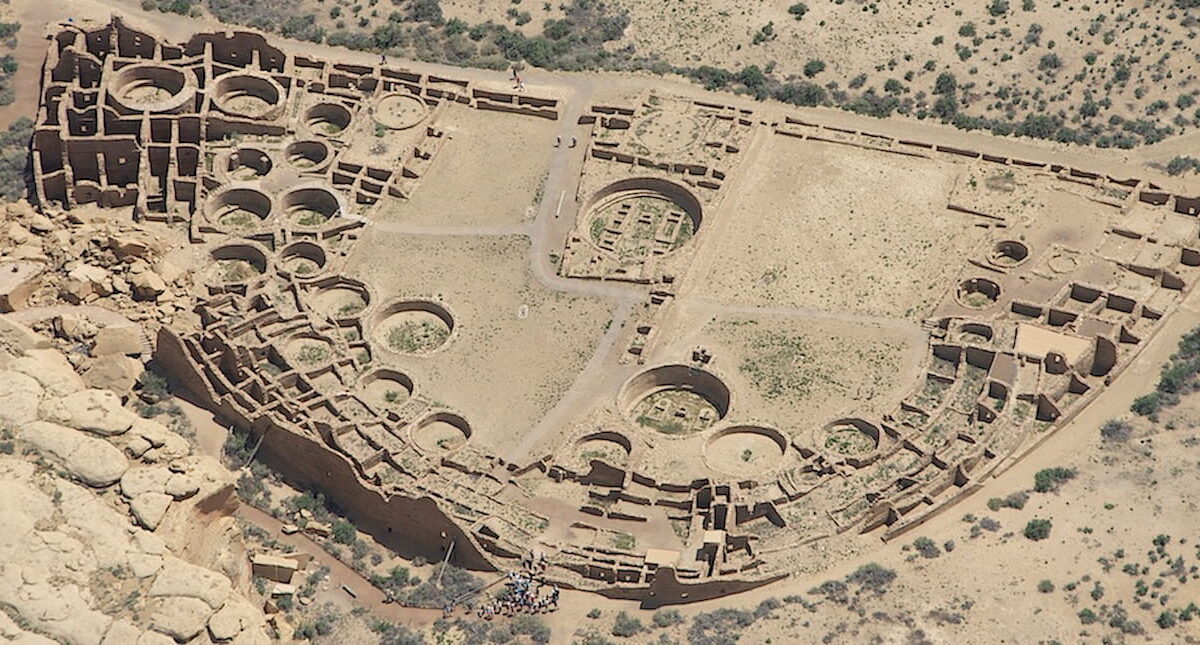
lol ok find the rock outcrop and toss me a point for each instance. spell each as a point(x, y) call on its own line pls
point(69, 555)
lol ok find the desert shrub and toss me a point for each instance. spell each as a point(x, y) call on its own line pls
point(322, 625)
point(238, 447)
point(429, 11)
point(1146, 405)
point(268, 16)
point(873, 577)
point(1049, 62)
point(393, 634)
point(798, 10)
point(1038, 529)
point(1045, 586)
point(807, 94)
point(998, 8)
point(720, 627)
point(532, 626)
point(303, 27)
point(182, 7)
point(1087, 616)
point(767, 607)
point(1166, 620)
point(1015, 500)
point(814, 67)
point(455, 582)
point(625, 625)
point(667, 618)
point(344, 532)
point(926, 547)
point(14, 158)
point(1181, 164)
point(153, 384)
point(1050, 479)
point(1117, 430)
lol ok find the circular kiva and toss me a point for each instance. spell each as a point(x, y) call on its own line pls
point(1009, 253)
point(674, 399)
point(413, 326)
point(237, 263)
point(307, 351)
point(249, 95)
point(977, 293)
point(310, 206)
point(238, 208)
point(612, 448)
point(854, 441)
point(338, 298)
point(642, 217)
point(327, 118)
point(441, 432)
point(248, 163)
point(151, 88)
point(302, 259)
point(386, 388)
point(745, 450)
point(975, 333)
point(400, 111)
point(307, 154)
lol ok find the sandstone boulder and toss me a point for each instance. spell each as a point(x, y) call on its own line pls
point(20, 397)
point(97, 411)
point(144, 479)
point(121, 632)
point(94, 461)
point(181, 618)
point(155, 638)
point(75, 327)
point(116, 373)
point(16, 339)
point(118, 339)
point(165, 445)
point(149, 508)
point(147, 285)
point(128, 244)
point(179, 578)
point(50, 368)
point(181, 486)
point(226, 623)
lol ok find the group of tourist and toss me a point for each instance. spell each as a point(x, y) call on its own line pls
point(526, 592)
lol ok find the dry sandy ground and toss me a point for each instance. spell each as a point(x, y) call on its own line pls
point(484, 175)
point(501, 368)
point(790, 371)
point(816, 239)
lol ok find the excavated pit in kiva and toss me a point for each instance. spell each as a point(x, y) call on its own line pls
point(386, 388)
point(249, 95)
point(310, 206)
point(441, 432)
point(675, 399)
point(239, 208)
point(237, 263)
point(745, 450)
point(413, 326)
point(327, 118)
point(302, 259)
point(151, 88)
point(338, 298)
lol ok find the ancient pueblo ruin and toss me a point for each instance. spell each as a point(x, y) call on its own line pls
point(704, 336)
